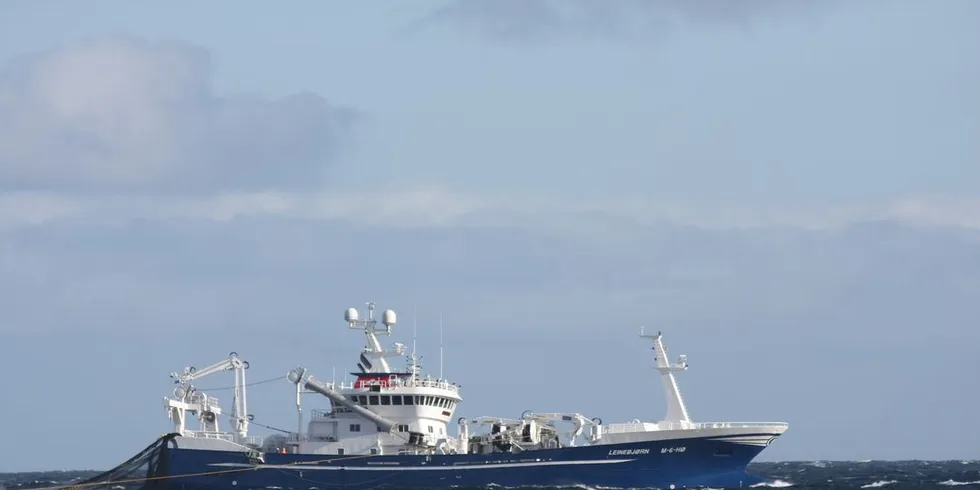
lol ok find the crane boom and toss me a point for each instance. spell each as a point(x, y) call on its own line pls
point(187, 396)
point(299, 377)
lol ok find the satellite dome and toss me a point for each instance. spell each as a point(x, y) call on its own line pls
point(350, 315)
point(388, 318)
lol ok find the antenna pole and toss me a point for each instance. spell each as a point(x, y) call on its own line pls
point(415, 330)
point(440, 345)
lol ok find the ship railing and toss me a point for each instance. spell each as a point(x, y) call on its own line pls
point(629, 427)
point(398, 383)
point(637, 426)
point(201, 397)
point(294, 437)
point(253, 440)
point(320, 414)
point(433, 383)
point(224, 436)
point(203, 434)
point(745, 425)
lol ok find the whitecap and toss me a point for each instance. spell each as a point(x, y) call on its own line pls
point(879, 483)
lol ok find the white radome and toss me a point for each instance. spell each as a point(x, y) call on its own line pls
point(388, 318)
point(350, 315)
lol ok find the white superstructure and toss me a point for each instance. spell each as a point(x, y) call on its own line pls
point(388, 412)
point(383, 411)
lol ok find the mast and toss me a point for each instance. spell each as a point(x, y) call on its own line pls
point(415, 328)
point(676, 409)
point(413, 361)
point(373, 358)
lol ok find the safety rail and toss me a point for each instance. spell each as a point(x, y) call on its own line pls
point(295, 437)
point(395, 382)
point(747, 425)
point(199, 397)
point(679, 425)
point(202, 434)
point(224, 436)
point(253, 440)
point(319, 414)
point(431, 383)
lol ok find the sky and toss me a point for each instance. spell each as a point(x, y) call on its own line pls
point(789, 190)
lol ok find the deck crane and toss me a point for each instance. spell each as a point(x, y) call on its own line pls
point(577, 420)
point(188, 399)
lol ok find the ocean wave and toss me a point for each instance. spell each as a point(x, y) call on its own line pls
point(879, 484)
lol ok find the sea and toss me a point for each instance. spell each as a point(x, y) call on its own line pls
point(890, 475)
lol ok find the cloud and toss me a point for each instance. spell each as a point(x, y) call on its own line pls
point(537, 19)
point(594, 219)
point(253, 269)
point(121, 114)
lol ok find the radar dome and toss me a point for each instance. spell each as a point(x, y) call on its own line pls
point(388, 317)
point(350, 315)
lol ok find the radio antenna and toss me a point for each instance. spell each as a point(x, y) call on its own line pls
point(440, 345)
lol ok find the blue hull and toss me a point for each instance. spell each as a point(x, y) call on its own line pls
point(701, 462)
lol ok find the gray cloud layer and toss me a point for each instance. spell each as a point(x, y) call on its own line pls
point(117, 114)
point(536, 19)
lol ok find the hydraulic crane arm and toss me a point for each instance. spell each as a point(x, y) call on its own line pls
point(191, 373)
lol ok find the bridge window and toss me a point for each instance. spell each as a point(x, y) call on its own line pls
point(355, 427)
point(362, 400)
point(403, 428)
point(385, 400)
point(409, 399)
point(373, 400)
point(396, 400)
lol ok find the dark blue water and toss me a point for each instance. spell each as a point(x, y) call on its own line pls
point(889, 475)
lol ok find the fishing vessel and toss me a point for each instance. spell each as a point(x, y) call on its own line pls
point(390, 428)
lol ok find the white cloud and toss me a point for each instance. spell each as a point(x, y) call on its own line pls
point(428, 207)
point(961, 212)
point(122, 114)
